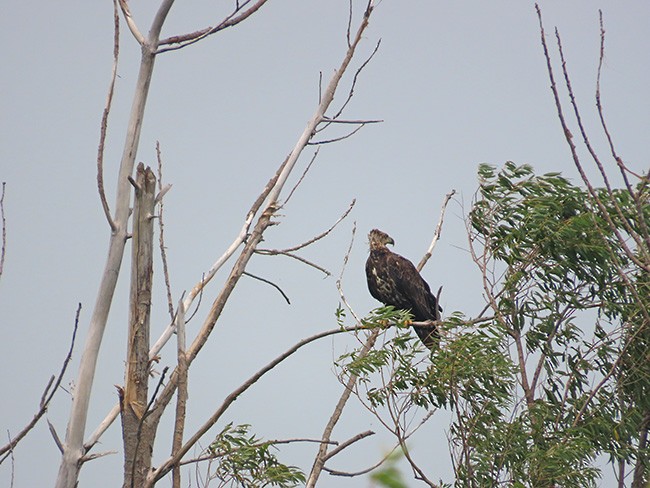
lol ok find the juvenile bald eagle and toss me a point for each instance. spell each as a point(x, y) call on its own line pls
point(394, 280)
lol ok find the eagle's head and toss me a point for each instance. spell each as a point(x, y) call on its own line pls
point(378, 239)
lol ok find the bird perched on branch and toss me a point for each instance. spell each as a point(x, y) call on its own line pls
point(394, 280)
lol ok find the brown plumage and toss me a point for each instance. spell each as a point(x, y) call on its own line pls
point(394, 280)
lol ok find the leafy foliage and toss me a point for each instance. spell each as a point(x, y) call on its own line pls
point(555, 376)
point(241, 459)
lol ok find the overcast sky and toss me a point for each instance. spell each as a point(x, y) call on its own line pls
point(456, 83)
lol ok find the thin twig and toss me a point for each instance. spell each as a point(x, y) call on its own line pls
point(181, 395)
point(161, 237)
point(45, 399)
point(624, 170)
point(263, 280)
point(323, 234)
point(336, 139)
point(96, 455)
point(55, 435)
point(595, 198)
point(13, 461)
point(274, 252)
point(354, 83)
point(196, 309)
point(339, 282)
point(231, 20)
point(569, 139)
point(104, 123)
point(347, 31)
point(351, 121)
point(437, 232)
point(348, 443)
point(348, 474)
point(302, 177)
point(4, 228)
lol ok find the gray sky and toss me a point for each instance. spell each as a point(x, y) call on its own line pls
point(457, 83)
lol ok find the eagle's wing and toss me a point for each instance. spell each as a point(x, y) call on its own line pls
point(421, 302)
point(412, 288)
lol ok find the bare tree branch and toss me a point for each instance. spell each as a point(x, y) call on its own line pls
point(197, 290)
point(167, 465)
point(48, 394)
point(131, 23)
point(104, 123)
point(263, 280)
point(348, 443)
point(68, 475)
point(437, 232)
point(268, 203)
point(339, 282)
point(302, 177)
point(337, 139)
point(13, 461)
point(354, 83)
point(181, 394)
point(273, 252)
point(55, 436)
point(569, 139)
point(161, 237)
point(3, 250)
point(263, 222)
point(624, 170)
point(230, 21)
point(289, 251)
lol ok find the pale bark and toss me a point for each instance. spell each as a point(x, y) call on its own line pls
point(73, 448)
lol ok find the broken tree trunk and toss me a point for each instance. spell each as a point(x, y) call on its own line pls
point(138, 435)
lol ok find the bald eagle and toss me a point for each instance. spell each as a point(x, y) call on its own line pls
point(394, 280)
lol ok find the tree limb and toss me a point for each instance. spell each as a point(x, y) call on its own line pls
point(437, 232)
point(48, 394)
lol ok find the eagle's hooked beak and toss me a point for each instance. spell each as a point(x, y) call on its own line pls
point(390, 241)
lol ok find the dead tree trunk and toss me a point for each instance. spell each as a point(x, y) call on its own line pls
point(137, 434)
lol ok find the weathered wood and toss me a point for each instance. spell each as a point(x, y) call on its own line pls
point(137, 435)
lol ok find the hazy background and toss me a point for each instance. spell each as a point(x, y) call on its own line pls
point(457, 84)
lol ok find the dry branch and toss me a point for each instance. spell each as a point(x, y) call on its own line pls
point(190, 443)
point(3, 250)
point(268, 282)
point(74, 443)
point(46, 397)
point(161, 237)
point(233, 19)
point(131, 23)
point(181, 396)
point(289, 251)
point(252, 240)
point(104, 122)
point(261, 213)
point(348, 443)
point(437, 232)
